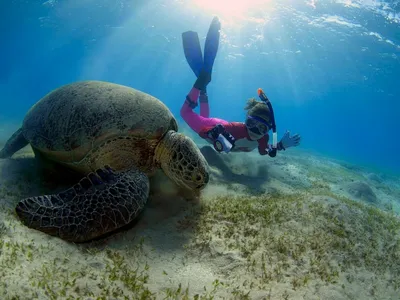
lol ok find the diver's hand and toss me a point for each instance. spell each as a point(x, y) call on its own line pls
point(288, 141)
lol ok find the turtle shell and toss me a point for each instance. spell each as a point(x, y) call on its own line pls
point(74, 119)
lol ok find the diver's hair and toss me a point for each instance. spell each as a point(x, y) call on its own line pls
point(257, 108)
point(251, 103)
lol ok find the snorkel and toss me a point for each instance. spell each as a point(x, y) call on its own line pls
point(265, 99)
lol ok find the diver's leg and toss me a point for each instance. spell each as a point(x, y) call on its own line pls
point(187, 113)
point(195, 121)
point(16, 142)
point(204, 106)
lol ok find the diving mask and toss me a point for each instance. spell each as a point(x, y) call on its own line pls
point(257, 125)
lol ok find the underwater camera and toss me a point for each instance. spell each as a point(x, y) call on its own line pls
point(222, 140)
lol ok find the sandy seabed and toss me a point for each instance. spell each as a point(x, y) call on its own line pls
point(294, 227)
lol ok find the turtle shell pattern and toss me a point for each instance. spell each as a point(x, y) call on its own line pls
point(88, 124)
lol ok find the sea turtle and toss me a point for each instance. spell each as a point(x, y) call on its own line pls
point(116, 137)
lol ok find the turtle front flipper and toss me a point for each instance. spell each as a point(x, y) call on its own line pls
point(16, 142)
point(100, 203)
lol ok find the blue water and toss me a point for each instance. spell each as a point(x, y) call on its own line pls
point(330, 68)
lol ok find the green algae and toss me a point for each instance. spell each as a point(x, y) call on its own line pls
point(277, 233)
point(293, 239)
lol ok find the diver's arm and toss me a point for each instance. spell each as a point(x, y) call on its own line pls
point(264, 148)
point(263, 145)
point(203, 133)
point(286, 142)
point(272, 152)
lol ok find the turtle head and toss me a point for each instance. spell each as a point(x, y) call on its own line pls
point(182, 161)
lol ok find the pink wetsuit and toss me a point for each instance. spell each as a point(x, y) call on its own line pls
point(203, 123)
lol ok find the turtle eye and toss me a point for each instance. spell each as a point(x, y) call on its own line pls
point(198, 177)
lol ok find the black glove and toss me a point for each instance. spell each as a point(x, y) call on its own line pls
point(202, 81)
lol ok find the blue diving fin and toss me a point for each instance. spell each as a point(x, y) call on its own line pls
point(192, 50)
point(211, 45)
